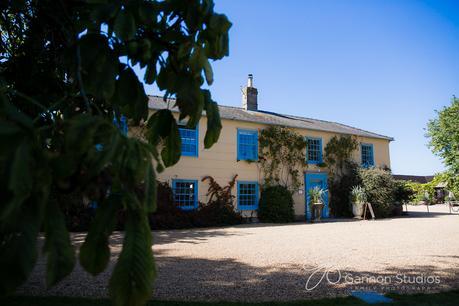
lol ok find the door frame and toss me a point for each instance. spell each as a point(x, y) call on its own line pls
point(323, 176)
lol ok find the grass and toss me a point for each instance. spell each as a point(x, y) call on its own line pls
point(450, 298)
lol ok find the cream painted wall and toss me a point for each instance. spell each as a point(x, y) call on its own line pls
point(221, 163)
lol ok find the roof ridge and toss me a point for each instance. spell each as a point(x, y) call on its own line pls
point(292, 117)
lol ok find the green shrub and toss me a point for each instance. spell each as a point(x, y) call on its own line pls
point(403, 192)
point(380, 187)
point(276, 205)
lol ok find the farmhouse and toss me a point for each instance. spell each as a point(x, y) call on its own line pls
point(236, 152)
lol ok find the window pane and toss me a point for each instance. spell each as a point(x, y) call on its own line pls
point(185, 194)
point(314, 150)
point(189, 141)
point(247, 145)
point(247, 195)
point(367, 155)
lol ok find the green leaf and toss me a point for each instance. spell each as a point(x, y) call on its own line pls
point(78, 126)
point(150, 189)
point(20, 180)
point(130, 94)
point(150, 74)
point(172, 150)
point(208, 72)
point(99, 66)
point(95, 251)
point(162, 128)
point(132, 278)
point(18, 248)
point(214, 125)
point(57, 247)
point(159, 126)
point(125, 25)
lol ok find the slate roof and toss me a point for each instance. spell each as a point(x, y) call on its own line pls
point(271, 118)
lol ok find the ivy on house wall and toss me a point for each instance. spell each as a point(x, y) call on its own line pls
point(338, 152)
point(282, 156)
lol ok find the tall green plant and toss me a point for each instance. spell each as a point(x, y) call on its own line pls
point(66, 71)
point(343, 173)
point(282, 156)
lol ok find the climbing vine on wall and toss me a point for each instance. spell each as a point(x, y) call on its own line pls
point(282, 156)
point(338, 152)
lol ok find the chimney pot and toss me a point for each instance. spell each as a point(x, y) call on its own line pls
point(250, 95)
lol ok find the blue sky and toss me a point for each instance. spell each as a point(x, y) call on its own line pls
point(383, 66)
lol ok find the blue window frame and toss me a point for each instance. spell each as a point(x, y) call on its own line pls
point(247, 145)
point(189, 141)
point(247, 195)
point(367, 155)
point(314, 150)
point(185, 194)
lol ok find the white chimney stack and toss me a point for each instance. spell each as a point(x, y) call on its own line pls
point(250, 81)
point(250, 95)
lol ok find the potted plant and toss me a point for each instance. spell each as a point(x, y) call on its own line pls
point(316, 200)
point(426, 198)
point(359, 197)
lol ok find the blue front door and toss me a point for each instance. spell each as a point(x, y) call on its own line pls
point(312, 180)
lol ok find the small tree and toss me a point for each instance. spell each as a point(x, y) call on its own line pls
point(380, 189)
point(443, 133)
point(282, 157)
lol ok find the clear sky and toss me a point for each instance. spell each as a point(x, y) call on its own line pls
point(383, 66)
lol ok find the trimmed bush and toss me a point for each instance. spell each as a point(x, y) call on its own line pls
point(380, 187)
point(276, 205)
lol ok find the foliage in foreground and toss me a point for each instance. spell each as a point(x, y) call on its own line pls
point(65, 75)
point(276, 205)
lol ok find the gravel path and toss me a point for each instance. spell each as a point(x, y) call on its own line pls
point(258, 262)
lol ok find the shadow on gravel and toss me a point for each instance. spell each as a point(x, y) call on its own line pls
point(188, 279)
point(229, 280)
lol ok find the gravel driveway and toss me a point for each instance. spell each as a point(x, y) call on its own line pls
point(258, 262)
